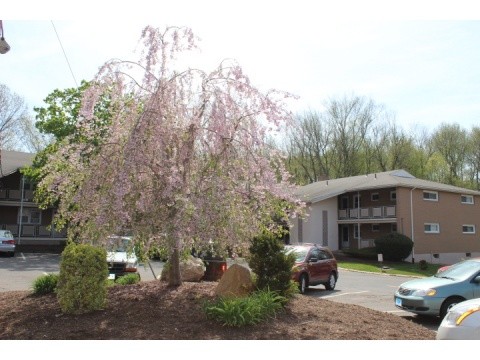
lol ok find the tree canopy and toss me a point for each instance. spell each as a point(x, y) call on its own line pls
point(60, 120)
point(185, 160)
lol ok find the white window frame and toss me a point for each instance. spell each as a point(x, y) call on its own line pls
point(27, 216)
point(356, 231)
point(430, 192)
point(470, 197)
point(437, 225)
point(393, 195)
point(357, 201)
point(375, 196)
point(468, 226)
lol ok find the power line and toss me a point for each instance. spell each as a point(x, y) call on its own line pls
point(65, 54)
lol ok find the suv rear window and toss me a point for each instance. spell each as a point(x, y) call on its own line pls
point(300, 253)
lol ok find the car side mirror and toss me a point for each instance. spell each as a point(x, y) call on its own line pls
point(476, 280)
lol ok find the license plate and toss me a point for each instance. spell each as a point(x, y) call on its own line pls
point(398, 301)
point(111, 276)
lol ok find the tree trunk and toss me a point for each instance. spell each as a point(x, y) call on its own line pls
point(174, 275)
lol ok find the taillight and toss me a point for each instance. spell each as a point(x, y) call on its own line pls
point(224, 267)
point(11, 242)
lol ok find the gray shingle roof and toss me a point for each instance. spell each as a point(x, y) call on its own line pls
point(327, 189)
point(11, 161)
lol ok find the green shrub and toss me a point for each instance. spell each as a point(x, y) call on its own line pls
point(394, 246)
point(82, 285)
point(270, 264)
point(158, 253)
point(259, 306)
point(368, 253)
point(128, 279)
point(423, 265)
point(45, 284)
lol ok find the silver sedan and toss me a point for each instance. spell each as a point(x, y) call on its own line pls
point(7, 243)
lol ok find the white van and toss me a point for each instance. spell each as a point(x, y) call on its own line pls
point(121, 257)
point(7, 242)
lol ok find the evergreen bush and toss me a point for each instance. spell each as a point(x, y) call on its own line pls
point(394, 246)
point(45, 284)
point(423, 265)
point(82, 285)
point(271, 265)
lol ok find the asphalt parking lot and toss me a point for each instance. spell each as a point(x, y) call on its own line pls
point(19, 272)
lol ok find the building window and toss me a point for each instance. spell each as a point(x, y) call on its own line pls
point(375, 196)
point(356, 231)
point(394, 227)
point(356, 201)
point(432, 228)
point(27, 184)
point(467, 199)
point(468, 229)
point(375, 227)
point(393, 196)
point(344, 202)
point(430, 195)
point(30, 216)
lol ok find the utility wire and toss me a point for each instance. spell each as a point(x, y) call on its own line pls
point(65, 54)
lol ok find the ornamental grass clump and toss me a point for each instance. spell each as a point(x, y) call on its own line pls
point(128, 279)
point(259, 306)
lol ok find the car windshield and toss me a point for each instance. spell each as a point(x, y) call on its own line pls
point(6, 233)
point(299, 252)
point(119, 243)
point(460, 271)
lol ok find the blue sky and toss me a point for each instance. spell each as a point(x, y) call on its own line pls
point(423, 65)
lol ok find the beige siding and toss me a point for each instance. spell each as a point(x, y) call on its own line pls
point(448, 212)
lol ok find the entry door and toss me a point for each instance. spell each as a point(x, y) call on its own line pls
point(345, 237)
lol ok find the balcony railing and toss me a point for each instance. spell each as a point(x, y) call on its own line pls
point(16, 195)
point(34, 231)
point(377, 212)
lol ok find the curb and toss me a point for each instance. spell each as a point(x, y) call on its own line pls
point(384, 274)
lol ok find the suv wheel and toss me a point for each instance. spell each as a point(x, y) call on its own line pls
point(303, 283)
point(332, 281)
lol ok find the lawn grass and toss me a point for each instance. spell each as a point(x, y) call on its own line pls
point(393, 268)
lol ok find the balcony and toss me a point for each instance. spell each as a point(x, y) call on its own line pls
point(369, 213)
point(34, 232)
point(15, 195)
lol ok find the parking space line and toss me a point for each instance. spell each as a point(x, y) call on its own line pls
point(23, 256)
point(351, 293)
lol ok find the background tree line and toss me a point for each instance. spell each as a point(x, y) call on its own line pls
point(354, 135)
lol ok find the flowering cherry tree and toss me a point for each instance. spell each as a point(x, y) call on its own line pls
point(185, 161)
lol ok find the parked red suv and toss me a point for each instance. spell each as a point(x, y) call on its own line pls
point(314, 265)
